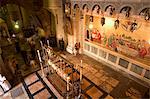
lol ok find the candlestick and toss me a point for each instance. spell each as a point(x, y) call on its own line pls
point(39, 56)
point(48, 42)
point(42, 70)
point(81, 71)
point(41, 43)
point(68, 83)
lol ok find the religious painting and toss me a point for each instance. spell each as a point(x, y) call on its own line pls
point(116, 24)
point(67, 8)
point(122, 42)
point(145, 14)
point(85, 8)
point(96, 10)
point(125, 11)
point(130, 26)
point(109, 10)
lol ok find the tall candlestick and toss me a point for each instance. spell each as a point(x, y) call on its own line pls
point(48, 42)
point(41, 43)
point(68, 83)
point(81, 71)
point(42, 70)
point(39, 56)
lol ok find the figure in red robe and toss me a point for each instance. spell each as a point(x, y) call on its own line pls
point(142, 52)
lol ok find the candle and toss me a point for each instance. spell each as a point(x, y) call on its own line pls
point(39, 56)
point(41, 43)
point(68, 83)
point(48, 42)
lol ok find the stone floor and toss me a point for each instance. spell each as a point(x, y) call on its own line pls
point(98, 80)
point(114, 83)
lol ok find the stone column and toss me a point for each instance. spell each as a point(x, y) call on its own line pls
point(72, 39)
point(81, 33)
point(55, 6)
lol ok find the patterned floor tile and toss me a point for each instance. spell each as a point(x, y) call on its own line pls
point(35, 87)
point(94, 93)
point(30, 79)
point(42, 95)
point(85, 84)
point(107, 87)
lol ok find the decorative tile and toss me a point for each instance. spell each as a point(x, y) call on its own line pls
point(35, 87)
point(113, 82)
point(133, 93)
point(97, 81)
point(98, 75)
point(103, 78)
point(31, 78)
point(94, 93)
point(91, 77)
point(85, 84)
point(137, 69)
point(107, 87)
point(87, 74)
point(123, 63)
point(17, 92)
point(112, 58)
point(42, 95)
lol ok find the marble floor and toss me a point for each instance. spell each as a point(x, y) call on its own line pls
point(110, 82)
point(99, 81)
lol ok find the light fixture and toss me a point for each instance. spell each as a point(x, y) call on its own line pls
point(16, 25)
point(91, 25)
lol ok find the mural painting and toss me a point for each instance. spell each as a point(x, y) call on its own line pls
point(124, 43)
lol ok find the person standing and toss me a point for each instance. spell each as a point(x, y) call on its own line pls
point(17, 46)
point(32, 46)
point(24, 47)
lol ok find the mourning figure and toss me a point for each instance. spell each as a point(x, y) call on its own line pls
point(147, 16)
point(91, 18)
point(85, 8)
point(116, 24)
point(145, 13)
point(102, 21)
point(133, 26)
point(87, 34)
point(96, 9)
point(110, 10)
point(126, 11)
